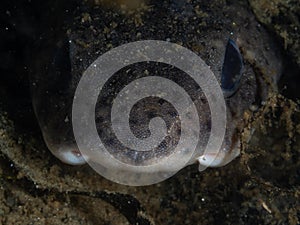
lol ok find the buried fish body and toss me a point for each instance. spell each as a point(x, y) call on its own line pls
point(200, 28)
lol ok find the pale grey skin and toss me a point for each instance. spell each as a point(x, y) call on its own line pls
point(65, 53)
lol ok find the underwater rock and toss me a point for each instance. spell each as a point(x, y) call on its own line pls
point(274, 149)
point(282, 17)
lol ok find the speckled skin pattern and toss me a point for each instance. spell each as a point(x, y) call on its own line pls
point(91, 30)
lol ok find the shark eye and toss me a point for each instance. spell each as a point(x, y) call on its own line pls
point(59, 76)
point(231, 69)
point(61, 59)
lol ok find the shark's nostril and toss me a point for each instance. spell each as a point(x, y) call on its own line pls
point(71, 156)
